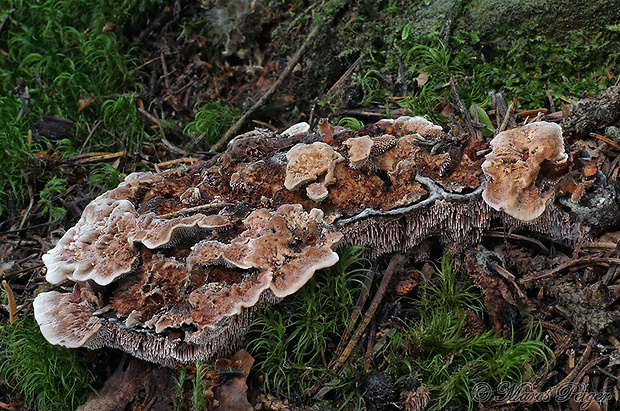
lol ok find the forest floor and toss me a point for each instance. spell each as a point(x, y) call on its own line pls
point(89, 97)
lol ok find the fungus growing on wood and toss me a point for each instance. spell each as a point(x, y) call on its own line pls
point(169, 266)
point(102, 246)
point(183, 307)
point(306, 162)
point(515, 183)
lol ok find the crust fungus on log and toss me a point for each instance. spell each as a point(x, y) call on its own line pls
point(169, 266)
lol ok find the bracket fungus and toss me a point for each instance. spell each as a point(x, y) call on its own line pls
point(516, 182)
point(169, 266)
point(306, 162)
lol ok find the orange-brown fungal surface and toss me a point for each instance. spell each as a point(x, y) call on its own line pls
point(515, 182)
point(169, 266)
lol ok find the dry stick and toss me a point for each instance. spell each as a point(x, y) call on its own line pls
point(95, 158)
point(27, 212)
point(551, 103)
point(359, 306)
point(5, 18)
point(372, 309)
point(509, 113)
point(461, 106)
point(550, 393)
point(287, 71)
point(345, 75)
point(500, 109)
point(615, 342)
point(166, 164)
point(385, 281)
point(90, 134)
point(508, 276)
point(164, 67)
point(22, 271)
point(497, 234)
point(606, 140)
point(592, 260)
point(479, 135)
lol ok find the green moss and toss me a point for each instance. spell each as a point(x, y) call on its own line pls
point(62, 51)
point(211, 121)
point(288, 339)
point(45, 376)
point(434, 347)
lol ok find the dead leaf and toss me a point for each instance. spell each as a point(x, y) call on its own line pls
point(84, 102)
point(108, 27)
point(422, 79)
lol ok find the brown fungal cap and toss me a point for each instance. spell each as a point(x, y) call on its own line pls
point(514, 181)
point(66, 318)
point(102, 246)
point(184, 281)
point(306, 162)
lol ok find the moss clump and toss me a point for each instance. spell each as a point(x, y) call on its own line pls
point(70, 59)
point(45, 376)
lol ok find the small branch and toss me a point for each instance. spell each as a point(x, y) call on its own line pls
point(372, 309)
point(23, 270)
point(5, 18)
point(581, 261)
point(345, 75)
point(508, 117)
point(287, 71)
point(606, 140)
point(464, 112)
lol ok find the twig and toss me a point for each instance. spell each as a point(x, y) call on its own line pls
point(166, 164)
point(19, 230)
point(31, 194)
point(345, 75)
point(372, 309)
point(615, 342)
point(287, 71)
point(164, 66)
point(508, 117)
point(508, 276)
point(266, 125)
point(371, 342)
point(606, 140)
point(550, 393)
point(385, 281)
point(8, 407)
point(497, 234)
point(25, 99)
point(464, 112)
point(477, 120)
point(90, 134)
point(5, 18)
point(550, 99)
point(361, 301)
point(23, 270)
point(589, 366)
point(581, 261)
point(97, 157)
